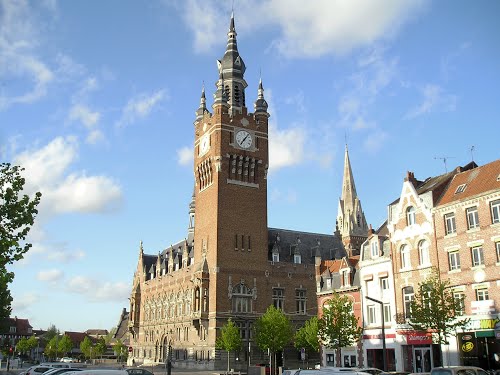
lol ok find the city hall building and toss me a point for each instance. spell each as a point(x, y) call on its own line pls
point(229, 263)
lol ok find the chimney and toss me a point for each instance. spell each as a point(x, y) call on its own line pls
point(411, 178)
point(370, 231)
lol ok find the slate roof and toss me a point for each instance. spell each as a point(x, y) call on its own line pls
point(78, 337)
point(23, 326)
point(288, 242)
point(329, 269)
point(477, 181)
point(436, 184)
point(122, 328)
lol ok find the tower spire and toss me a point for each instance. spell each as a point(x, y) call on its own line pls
point(202, 109)
point(351, 219)
point(260, 104)
point(233, 69)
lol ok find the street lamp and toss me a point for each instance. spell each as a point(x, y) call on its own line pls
point(384, 349)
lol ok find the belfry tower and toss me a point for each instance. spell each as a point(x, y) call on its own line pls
point(231, 158)
point(351, 221)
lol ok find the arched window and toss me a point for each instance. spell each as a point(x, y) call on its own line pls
point(423, 252)
point(410, 215)
point(242, 299)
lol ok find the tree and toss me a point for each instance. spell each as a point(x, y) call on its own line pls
point(307, 336)
point(22, 345)
point(435, 309)
point(120, 349)
point(52, 348)
point(17, 215)
point(338, 327)
point(65, 345)
point(273, 331)
point(86, 347)
point(229, 340)
point(100, 347)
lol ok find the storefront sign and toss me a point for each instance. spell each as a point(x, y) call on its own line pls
point(418, 338)
point(488, 323)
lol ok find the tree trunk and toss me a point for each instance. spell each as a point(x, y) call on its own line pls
point(228, 361)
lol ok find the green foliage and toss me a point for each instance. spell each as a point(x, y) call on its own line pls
point(435, 309)
point(273, 330)
point(65, 345)
point(120, 349)
point(338, 327)
point(86, 347)
point(308, 336)
point(100, 347)
point(17, 215)
point(22, 345)
point(52, 347)
point(230, 339)
point(51, 332)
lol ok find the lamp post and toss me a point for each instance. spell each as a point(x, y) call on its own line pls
point(384, 349)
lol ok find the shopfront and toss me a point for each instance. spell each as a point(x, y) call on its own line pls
point(375, 353)
point(480, 344)
point(419, 354)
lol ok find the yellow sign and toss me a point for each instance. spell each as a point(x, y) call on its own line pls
point(467, 346)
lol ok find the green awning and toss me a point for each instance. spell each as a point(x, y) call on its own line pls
point(490, 333)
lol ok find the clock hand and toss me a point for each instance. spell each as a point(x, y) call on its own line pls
point(243, 140)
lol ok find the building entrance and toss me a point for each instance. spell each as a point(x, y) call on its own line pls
point(423, 359)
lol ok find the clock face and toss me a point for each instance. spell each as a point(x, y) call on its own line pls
point(204, 144)
point(243, 139)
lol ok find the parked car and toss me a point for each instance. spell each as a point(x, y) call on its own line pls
point(370, 370)
point(57, 371)
point(458, 370)
point(138, 371)
point(67, 360)
point(290, 371)
point(343, 370)
point(38, 369)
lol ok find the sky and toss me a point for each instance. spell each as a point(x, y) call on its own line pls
point(97, 102)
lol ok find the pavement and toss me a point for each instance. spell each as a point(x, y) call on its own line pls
point(157, 370)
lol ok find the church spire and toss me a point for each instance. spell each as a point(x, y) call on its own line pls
point(233, 68)
point(202, 109)
point(260, 104)
point(351, 221)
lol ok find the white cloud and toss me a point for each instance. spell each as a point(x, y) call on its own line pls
point(141, 106)
point(50, 276)
point(82, 113)
point(185, 156)
point(94, 136)
point(308, 29)
point(375, 141)
point(25, 301)
point(97, 290)
point(63, 256)
point(18, 40)
point(434, 99)
point(47, 170)
point(286, 146)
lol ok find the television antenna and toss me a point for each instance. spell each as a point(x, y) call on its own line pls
point(444, 158)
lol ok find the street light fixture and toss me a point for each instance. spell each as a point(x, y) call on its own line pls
point(384, 349)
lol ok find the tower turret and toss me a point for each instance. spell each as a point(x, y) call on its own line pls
point(232, 68)
point(260, 105)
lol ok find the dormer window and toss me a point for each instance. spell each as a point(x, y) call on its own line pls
point(460, 188)
point(276, 257)
point(410, 215)
point(12, 329)
point(346, 275)
point(297, 259)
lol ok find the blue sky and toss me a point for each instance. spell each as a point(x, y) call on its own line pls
point(97, 102)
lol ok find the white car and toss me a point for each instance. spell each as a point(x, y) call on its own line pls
point(67, 360)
